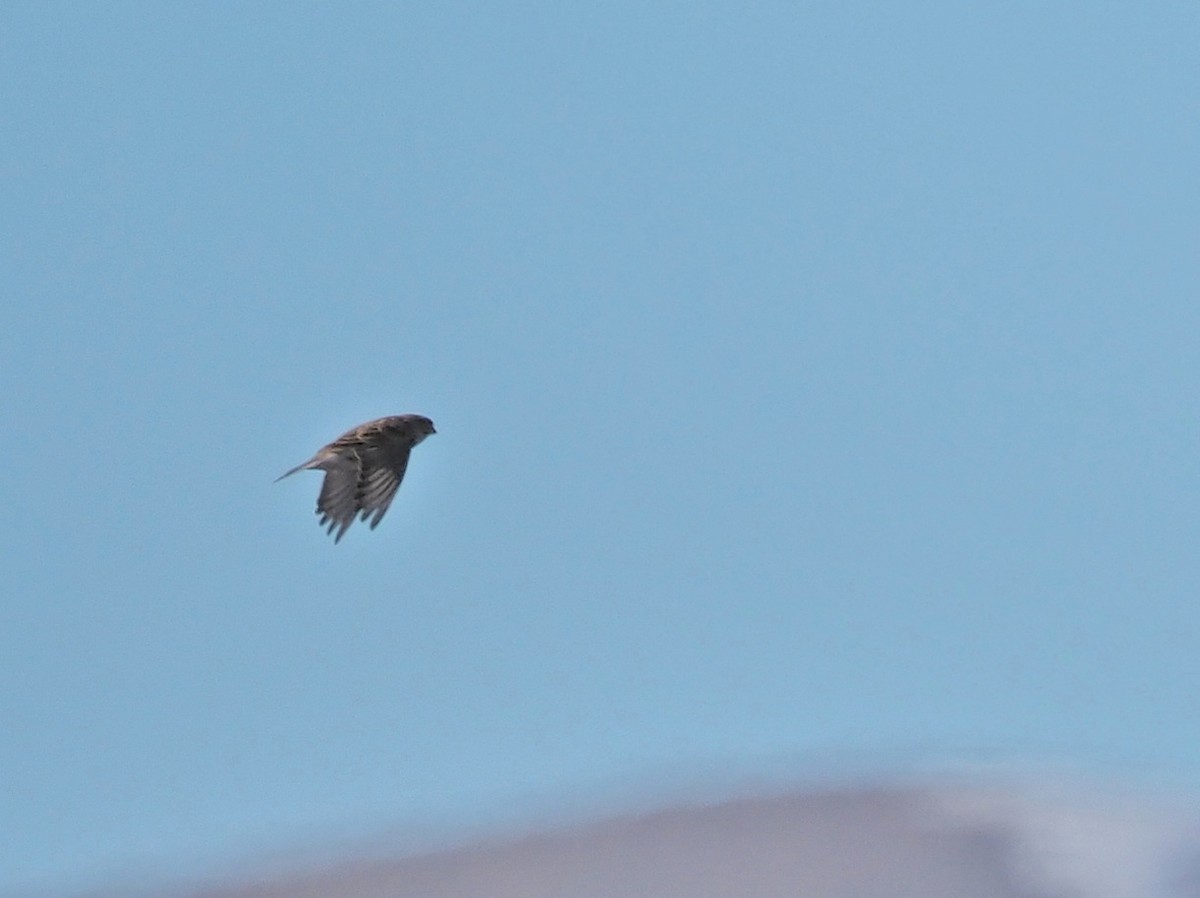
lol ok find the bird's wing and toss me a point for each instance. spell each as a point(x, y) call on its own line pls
point(338, 503)
point(383, 469)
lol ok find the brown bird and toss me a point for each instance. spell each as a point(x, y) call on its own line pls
point(363, 469)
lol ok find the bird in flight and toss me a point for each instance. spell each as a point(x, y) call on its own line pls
point(363, 469)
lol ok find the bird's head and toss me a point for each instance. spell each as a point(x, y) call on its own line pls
point(422, 427)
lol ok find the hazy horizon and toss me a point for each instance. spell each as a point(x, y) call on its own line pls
point(966, 836)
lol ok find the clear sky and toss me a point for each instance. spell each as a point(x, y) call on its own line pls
point(813, 380)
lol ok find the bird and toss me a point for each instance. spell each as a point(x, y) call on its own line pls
point(363, 469)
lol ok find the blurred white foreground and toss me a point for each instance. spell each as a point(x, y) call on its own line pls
point(923, 841)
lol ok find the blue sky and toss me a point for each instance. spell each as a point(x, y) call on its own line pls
point(812, 381)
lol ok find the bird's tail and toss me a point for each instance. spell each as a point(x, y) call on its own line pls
point(299, 467)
